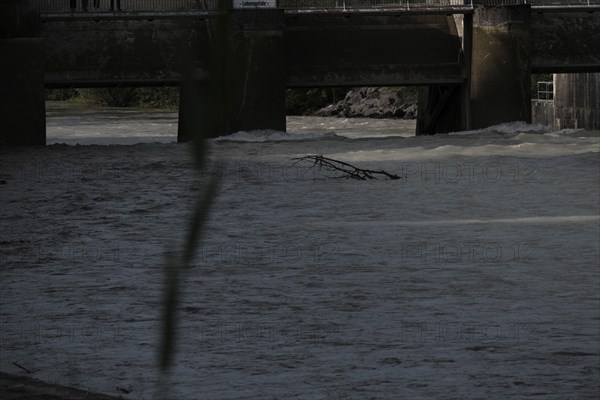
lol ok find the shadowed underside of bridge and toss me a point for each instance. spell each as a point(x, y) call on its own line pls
point(319, 50)
point(326, 50)
point(122, 52)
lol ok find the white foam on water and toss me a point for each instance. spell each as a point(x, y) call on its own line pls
point(508, 128)
point(552, 219)
point(275, 136)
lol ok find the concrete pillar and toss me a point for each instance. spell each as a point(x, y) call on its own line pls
point(248, 80)
point(258, 98)
point(22, 92)
point(467, 43)
point(447, 108)
point(193, 120)
point(501, 67)
point(439, 109)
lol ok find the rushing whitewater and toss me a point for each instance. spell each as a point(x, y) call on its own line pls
point(474, 276)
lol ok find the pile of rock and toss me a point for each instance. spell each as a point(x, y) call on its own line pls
point(372, 103)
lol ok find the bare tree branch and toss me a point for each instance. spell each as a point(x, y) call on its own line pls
point(348, 171)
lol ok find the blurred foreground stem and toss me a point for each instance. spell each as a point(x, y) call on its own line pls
point(203, 115)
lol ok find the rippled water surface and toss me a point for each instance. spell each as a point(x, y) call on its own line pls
point(476, 275)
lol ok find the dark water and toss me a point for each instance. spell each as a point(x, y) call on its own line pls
point(475, 276)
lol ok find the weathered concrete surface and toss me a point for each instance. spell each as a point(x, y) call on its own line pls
point(565, 42)
point(370, 50)
point(577, 101)
point(320, 50)
point(248, 73)
point(122, 52)
point(501, 68)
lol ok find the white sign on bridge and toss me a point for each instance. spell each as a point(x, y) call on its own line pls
point(254, 4)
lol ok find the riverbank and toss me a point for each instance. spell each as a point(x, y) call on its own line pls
point(19, 387)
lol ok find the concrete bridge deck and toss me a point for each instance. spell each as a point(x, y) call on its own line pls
point(142, 47)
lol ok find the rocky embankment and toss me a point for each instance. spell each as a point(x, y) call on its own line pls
point(373, 103)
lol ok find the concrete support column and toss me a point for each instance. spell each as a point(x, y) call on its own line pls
point(465, 90)
point(22, 92)
point(447, 108)
point(501, 69)
point(259, 70)
point(439, 109)
point(250, 77)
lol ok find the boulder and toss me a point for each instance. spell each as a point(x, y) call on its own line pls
point(372, 103)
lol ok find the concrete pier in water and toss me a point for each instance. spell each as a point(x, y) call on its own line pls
point(501, 67)
point(22, 93)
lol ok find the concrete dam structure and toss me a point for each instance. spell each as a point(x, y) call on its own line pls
point(473, 61)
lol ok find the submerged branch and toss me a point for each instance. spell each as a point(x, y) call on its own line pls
point(348, 171)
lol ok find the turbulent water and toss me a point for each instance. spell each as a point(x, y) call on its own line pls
point(476, 275)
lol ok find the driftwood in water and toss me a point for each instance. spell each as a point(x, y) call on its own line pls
point(347, 171)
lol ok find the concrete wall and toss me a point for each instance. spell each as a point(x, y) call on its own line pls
point(122, 52)
point(323, 50)
point(372, 50)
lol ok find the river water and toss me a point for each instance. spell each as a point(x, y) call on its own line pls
point(476, 275)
